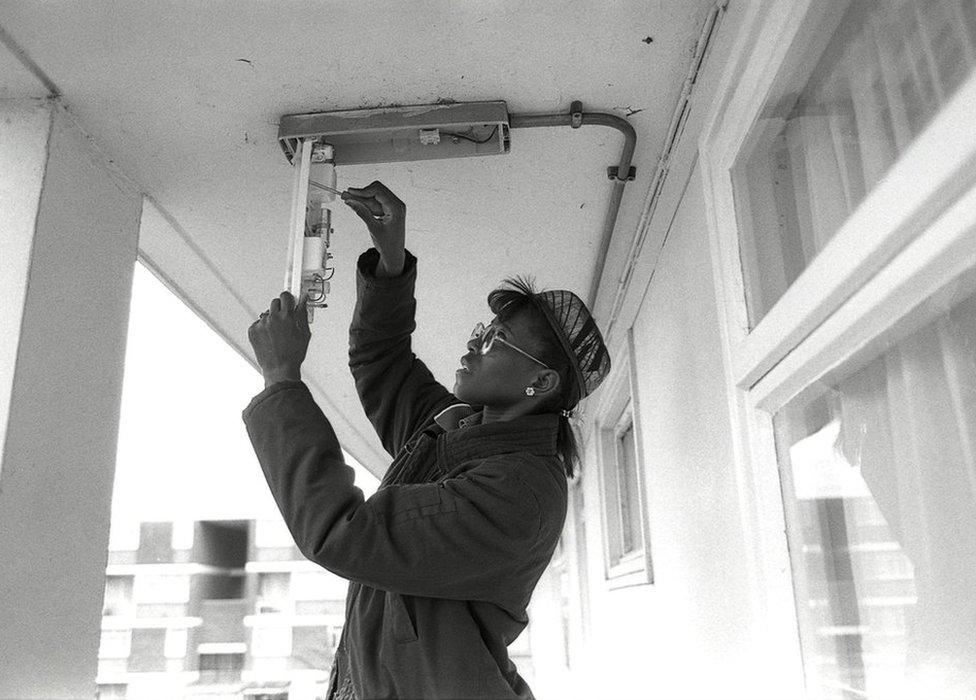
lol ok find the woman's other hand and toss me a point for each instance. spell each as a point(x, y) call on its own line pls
point(385, 216)
point(280, 339)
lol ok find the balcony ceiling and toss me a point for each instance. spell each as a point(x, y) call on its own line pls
point(185, 99)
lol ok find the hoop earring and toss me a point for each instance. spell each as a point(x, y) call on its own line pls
point(529, 391)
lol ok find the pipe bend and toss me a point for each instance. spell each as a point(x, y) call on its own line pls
point(624, 127)
point(518, 121)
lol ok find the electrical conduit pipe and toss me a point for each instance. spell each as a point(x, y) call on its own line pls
point(576, 118)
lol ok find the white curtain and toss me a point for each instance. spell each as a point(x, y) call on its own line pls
point(909, 423)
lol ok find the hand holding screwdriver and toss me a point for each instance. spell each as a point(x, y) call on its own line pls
point(385, 216)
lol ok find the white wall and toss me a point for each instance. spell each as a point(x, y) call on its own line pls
point(68, 296)
point(688, 634)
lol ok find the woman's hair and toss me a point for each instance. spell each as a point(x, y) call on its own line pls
point(520, 297)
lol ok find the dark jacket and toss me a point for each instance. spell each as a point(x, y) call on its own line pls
point(440, 571)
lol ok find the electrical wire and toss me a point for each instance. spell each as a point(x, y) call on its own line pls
point(472, 140)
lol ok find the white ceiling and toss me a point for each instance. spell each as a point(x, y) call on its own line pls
point(185, 97)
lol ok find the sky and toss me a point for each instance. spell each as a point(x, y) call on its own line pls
point(183, 451)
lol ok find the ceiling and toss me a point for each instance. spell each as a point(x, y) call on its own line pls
point(184, 97)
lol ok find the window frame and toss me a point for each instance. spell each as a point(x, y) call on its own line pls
point(618, 409)
point(917, 190)
point(911, 236)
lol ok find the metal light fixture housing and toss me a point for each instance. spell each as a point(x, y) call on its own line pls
point(390, 134)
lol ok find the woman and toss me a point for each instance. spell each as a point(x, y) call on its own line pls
point(443, 558)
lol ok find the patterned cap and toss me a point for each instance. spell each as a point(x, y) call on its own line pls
point(573, 326)
point(579, 336)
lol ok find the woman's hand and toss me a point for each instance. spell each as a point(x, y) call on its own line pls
point(385, 216)
point(280, 339)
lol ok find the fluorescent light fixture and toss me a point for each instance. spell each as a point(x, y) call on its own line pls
point(388, 134)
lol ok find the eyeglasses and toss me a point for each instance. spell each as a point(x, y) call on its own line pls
point(488, 336)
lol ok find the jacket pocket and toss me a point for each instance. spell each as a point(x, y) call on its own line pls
point(398, 622)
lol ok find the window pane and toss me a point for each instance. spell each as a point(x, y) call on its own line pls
point(273, 592)
point(183, 534)
point(220, 668)
point(111, 691)
point(628, 491)
point(118, 596)
point(175, 643)
point(879, 476)
point(147, 654)
point(836, 120)
point(115, 644)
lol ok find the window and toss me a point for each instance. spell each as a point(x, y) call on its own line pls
point(118, 596)
point(843, 211)
point(879, 478)
point(175, 646)
point(155, 543)
point(628, 494)
point(835, 123)
point(183, 534)
point(273, 596)
point(115, 644)
point(627, 548)
point(147, 653)
point(111, 691)
point(123, 536)
point(221, 668)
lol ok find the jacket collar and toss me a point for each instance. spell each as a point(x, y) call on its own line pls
point(459, 415)
point(535, 434)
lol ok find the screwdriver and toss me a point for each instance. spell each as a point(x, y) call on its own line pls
point(333, 190)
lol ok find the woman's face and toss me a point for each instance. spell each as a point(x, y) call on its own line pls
point(499, 378)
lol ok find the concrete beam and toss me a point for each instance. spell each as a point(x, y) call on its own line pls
point(68, 234)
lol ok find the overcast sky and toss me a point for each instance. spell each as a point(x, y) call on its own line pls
point(183, 450)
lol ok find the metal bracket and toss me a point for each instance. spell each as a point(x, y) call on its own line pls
point(613, 170)
point(576, 114)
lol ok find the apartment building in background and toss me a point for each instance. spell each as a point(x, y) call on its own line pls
point(219, 609)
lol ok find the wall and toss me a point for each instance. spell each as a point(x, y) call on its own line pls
point(23, 146)
point(689, 633)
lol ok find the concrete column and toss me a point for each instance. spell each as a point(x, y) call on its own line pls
point(68, 240)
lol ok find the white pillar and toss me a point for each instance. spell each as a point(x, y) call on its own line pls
point(68, 241)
